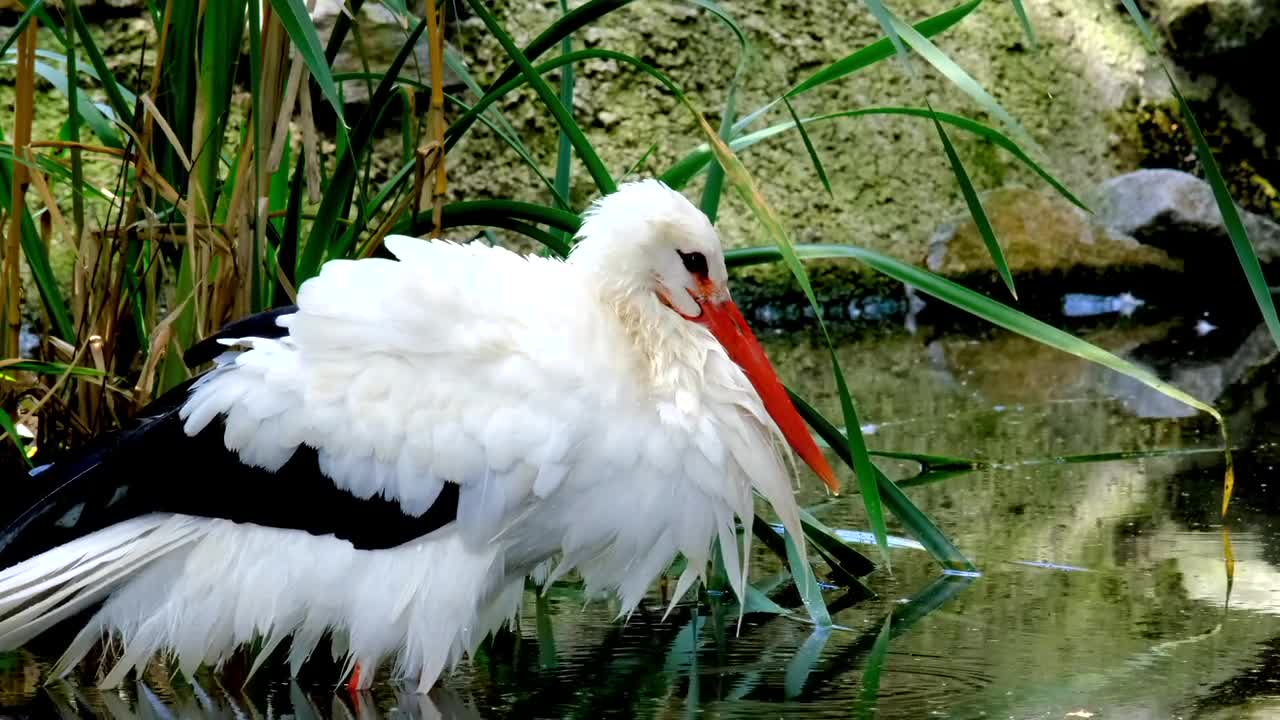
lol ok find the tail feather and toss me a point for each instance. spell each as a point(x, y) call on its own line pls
point(29, 579)
point(84, 641)
point(108, 481)
point(51, 587)
point(269, 646)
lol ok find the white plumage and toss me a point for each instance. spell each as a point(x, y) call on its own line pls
point(589, 425)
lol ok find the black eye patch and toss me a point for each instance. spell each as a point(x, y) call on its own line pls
point(694, 262)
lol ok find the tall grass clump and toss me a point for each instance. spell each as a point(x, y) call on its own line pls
point(215, 210)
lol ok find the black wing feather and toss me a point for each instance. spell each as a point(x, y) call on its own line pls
point(262, 325)
point(151, 465)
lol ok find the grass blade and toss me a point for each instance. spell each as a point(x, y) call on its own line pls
point(74, 119)
point(555, 243)
point(287, 248)
point(976, 210)
point(738, 176)
point(808, 146)
point(980, 305)
point(1148, 37)
point(685, 169)
point(115, 96)
point(54, 169)
point(714, 187)
point(173, 370)
point(595, 166)
point(869, 692)
point(867, 56)
point(1027, 27)
point(548, 658)
point(11, 431)
point(957, 75)
point(341, 27)
point(803, 661)
point(883, 17)
point(757, 602)
point(575, 19)
point(806, 584)
point(865, 470)
point(913, 518)
point(1231, 218)
point(458, 67)
point(327, 233)
point(42, 14)
point(302, 31)
point(770, 537)
point(840, 575)
point(509, 214)
point(639, 163)
point(1244, 251)
point(37, 256)
point(125, 93)
point(50, 368)
point(933, 462)
point(101, 126)
point(464, 213)
point(459, 126)
point(564, 145)
point(493, 120)
point(513, 141)
point(215, 77)
point(34, 9)
point(850, 561)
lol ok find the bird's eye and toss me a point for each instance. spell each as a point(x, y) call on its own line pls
point(694, 262)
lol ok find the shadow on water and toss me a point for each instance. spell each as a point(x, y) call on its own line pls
point(1089, 505)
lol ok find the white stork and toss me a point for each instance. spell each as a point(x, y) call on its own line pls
point(391, 458)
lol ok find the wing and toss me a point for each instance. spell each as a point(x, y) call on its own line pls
point(463, 386)
point(264, 325)
point(152, 465)
point(457, 366)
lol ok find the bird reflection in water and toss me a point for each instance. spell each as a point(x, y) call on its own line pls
point(205, 701)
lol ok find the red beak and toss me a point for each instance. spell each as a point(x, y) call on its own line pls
point(723, 318)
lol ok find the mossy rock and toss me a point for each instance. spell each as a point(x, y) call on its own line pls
point(1039, 232)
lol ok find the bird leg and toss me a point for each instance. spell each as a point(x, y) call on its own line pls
point(353, 685)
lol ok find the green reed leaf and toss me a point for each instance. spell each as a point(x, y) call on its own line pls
point(11, 431)
point(808, 146)
point(1231, 218)
point(1025, 21)
point(302, 32)
point(978, 212)
point(595, 166)
point(685, 169)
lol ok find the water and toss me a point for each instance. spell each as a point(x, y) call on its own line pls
point(1096, 531)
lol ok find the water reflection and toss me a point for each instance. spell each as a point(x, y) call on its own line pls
point(1092, 512)
point(211, 702)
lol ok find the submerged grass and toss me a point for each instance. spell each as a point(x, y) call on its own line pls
point(208, 223)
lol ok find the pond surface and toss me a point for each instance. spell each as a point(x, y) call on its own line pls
point(1096, 530)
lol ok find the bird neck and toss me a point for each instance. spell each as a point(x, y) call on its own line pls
point(673, 349)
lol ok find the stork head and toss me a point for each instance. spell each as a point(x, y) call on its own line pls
point(648, 239)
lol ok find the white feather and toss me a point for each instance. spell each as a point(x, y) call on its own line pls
point(582, 419)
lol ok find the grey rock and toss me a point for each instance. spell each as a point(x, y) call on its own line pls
point(1176, 211)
